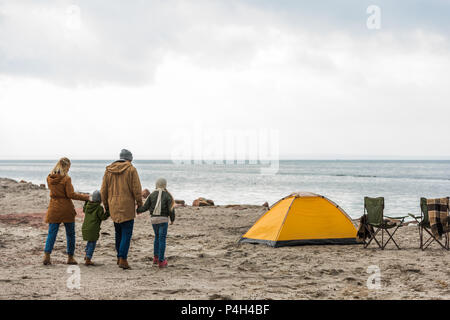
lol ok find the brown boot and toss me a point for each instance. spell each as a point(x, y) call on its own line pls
point(118, 261)
point(46, 260)
point(123, 263)
point(88, 262)
point(71, 260)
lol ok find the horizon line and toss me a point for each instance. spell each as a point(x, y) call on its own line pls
point(246, 160)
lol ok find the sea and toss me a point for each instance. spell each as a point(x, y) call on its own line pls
point(346, 182)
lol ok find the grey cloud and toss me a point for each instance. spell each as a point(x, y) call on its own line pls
point(351, 14)
point(117, 43)
point(125, 44)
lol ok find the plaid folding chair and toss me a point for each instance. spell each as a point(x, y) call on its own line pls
point(374, 207)
point(423, 222)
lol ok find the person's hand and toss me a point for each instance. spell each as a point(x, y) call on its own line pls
point(171, 222)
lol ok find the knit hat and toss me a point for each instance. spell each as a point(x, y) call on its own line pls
point(96, 197)
point(126, 155)
point(161, 183)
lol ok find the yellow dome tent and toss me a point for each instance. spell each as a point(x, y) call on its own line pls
point(302, 218)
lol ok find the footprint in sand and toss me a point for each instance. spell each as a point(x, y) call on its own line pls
point(350, 279)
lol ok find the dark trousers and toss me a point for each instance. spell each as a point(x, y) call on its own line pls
point(53, 232)
point(159, 245)
point(124, 231)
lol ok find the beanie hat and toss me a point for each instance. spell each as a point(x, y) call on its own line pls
point(161, 183)
point(96, 197)
point(126, 155)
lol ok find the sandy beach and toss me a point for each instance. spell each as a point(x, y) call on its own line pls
point(205, 260)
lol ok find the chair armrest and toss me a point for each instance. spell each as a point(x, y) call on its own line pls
point(396, 218)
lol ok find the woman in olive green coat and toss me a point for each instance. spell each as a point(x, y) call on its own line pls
point(94, 214)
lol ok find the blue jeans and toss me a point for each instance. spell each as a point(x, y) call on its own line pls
point(124, 231)
point(90, 247)
point(159, 245)
point(53, 232)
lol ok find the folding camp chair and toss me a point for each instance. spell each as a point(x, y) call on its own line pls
point(375, 218)
point(423, 222)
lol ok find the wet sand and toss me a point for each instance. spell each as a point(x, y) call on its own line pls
point(205, 260)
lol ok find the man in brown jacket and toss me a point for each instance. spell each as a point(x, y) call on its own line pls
point(121, 191)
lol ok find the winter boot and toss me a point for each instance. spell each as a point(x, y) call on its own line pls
point(71, 260)
point(88, 262)
point(123, 263)
point(162, 264)
point(46, 260)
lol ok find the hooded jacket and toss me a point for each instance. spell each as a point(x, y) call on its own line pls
point(61, 208)
point(121, 191)
point(94, 214)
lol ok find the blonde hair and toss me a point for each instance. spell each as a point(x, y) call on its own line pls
point(62, 167)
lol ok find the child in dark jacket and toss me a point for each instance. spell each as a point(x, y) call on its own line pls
point(94, 214)
point(160, 203)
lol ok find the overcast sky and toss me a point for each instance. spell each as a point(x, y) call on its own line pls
point(85, 79)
